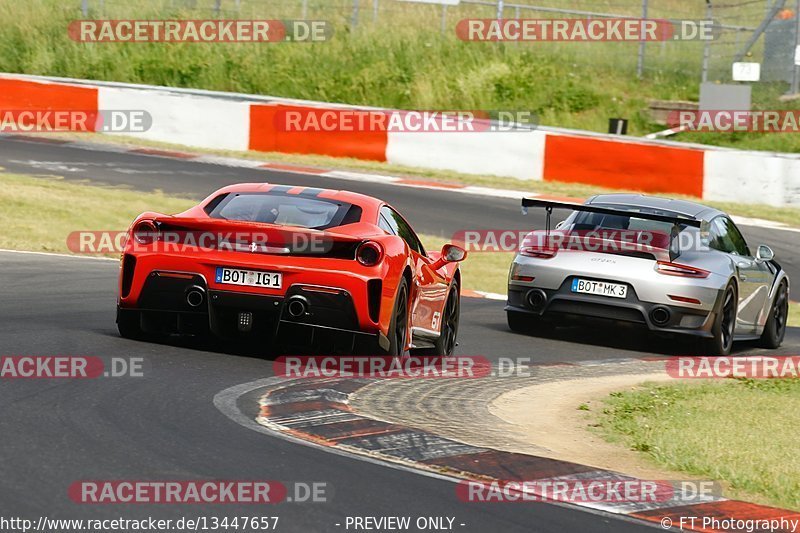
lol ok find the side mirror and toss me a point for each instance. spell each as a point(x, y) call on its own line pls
point(453, 254)
point(450, 254)
point(765, 253)
point(560, 224)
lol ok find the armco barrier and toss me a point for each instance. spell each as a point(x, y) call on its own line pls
point(201, 121)
point(265, 137)
point(231, 121)
point(624, 164)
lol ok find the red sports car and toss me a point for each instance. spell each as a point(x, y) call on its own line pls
point(307, 269)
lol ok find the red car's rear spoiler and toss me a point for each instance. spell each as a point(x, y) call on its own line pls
point(676, 221)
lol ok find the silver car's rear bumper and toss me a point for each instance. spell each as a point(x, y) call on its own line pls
point(647, 301)
point(632, 310)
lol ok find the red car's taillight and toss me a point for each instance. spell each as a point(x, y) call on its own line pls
point(369, 253)
point(674, 269)
point(145, 232)
point(538, 252)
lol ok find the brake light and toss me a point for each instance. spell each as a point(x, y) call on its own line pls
point(684, 299)
point(145, 232)
point(538, 252)
point(674, 269)
point(369, 253)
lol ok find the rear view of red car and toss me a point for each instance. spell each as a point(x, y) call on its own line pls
point(311, 270)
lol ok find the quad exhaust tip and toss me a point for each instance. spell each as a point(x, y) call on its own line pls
point(195, 296)
point(660, 316)
point(537, 299)
point(297, 306)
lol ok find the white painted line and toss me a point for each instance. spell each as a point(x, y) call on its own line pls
point(761, 223)
point(358, 176)
point(229, 161)
point(497, 193)
point(487, 295)
point(53, 254)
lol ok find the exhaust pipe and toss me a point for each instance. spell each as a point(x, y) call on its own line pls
point(660, 316)
point(537, 299)
point(297, 306)
point(195, 296)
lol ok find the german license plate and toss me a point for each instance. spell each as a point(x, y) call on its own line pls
point(600, 288)
point(250, 278)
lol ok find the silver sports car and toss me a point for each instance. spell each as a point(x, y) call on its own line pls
point(671, 265)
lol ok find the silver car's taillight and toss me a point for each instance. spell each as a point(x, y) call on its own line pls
point(675, 269)
point(538, 252)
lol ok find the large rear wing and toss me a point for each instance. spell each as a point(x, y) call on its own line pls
point(676, 221)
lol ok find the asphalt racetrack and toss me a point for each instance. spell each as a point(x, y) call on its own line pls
point(164, 425)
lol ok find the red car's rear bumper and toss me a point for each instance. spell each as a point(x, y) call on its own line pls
point(339, 300)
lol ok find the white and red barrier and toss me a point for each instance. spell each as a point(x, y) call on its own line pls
point(214, 120)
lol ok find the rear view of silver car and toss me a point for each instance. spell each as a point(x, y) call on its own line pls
point(670, 265)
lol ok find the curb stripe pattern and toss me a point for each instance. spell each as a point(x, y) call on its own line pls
point(318, 411)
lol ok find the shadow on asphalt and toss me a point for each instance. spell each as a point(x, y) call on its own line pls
point(639, 339)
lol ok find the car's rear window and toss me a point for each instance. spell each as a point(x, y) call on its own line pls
point(283, 209)
point(596, 221)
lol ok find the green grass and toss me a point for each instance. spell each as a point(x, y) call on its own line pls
point(739, 432)
point(402, 61)
point(39, 213)
point(482, 271)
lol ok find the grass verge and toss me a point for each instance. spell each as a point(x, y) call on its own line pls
point(39, 214)
point(740, 432)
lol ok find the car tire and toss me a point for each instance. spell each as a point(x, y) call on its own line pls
point(398, 326)
point(775, 328)
point(445, 345)
point(724, 325)
point(129, 325)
